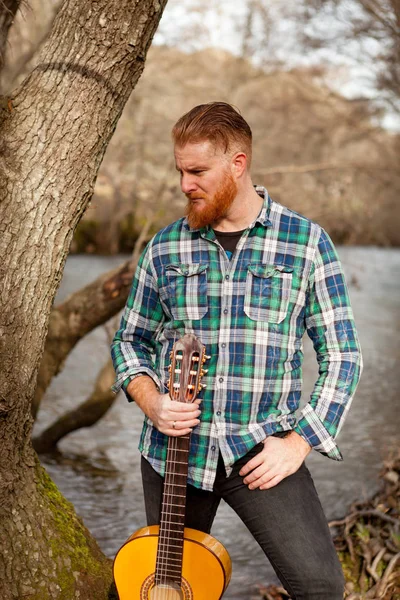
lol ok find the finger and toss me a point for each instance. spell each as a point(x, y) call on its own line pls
point(257, 473)
point(263, 480)
point(185, 424)
point(177, 432)
point(252, 464)
point(272, 482)
point(174, 415)
point(182, 406)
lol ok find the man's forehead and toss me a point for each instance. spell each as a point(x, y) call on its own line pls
point(197, 151)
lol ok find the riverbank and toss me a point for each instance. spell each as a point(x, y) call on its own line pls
point(368, 542)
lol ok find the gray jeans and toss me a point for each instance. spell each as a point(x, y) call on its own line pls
point(287, 521)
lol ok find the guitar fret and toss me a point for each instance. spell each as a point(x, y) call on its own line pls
point(175, 484)
point(171, 512)
point(173, 550)
point(165, 548)
point(174, 495)
point(174, 569)
point(168, 560)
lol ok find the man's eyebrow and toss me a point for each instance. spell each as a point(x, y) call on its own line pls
point(192, 168)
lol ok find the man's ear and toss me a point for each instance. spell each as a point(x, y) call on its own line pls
point(239, 164)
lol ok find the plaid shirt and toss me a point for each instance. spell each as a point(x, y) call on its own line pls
point(250, 312)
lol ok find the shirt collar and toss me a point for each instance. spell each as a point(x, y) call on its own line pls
point(262, 216)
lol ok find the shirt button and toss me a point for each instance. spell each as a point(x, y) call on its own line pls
point(221, 379)
point(213, 448)
point(225, 311)
point(218, 413)
point(223, 345)
point(226, 277)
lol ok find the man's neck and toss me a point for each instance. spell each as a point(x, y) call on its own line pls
point(244, 210)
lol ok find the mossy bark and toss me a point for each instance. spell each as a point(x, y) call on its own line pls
point(47, 552)
point(53, 134)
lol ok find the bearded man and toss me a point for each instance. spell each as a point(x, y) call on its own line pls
point(248, 277)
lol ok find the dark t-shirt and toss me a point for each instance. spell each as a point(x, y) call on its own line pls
point(228, 240)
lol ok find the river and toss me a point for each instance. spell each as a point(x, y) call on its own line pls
point(98, 469)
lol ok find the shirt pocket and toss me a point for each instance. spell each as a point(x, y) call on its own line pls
point(187, 291)
point(267, 292)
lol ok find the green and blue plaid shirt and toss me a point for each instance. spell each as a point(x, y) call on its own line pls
point(251, 313)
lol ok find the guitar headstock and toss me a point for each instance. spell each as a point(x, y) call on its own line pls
point(186, 370)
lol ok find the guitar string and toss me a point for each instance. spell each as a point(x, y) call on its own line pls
point(167, 526)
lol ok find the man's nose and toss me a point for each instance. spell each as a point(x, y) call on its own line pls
point(188, 184)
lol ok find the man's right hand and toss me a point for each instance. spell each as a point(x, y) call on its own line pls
point(174, 418)
point(170, 417)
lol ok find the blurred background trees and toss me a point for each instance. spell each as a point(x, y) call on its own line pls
point(318, 80)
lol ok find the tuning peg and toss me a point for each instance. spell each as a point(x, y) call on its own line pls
point(167, 384)
point(170, 368)
point(204, 371)
point(203, 385)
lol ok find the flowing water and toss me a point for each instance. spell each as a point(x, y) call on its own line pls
point(98, 469)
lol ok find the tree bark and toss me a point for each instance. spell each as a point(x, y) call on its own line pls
point(52, 144)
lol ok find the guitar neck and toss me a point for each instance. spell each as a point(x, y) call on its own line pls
point(170, 543)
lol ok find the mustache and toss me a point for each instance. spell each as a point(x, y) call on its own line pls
point(196, 196)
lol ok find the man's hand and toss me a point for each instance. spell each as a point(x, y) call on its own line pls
point(170, 417)
point(279, 458)
point(173, 418)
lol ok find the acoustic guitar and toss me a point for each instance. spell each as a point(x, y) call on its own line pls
point(171, 561)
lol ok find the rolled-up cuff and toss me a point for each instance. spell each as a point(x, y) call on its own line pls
point(123, 381)
point(312, 429)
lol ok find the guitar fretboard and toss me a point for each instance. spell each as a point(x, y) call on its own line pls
point(170, 543)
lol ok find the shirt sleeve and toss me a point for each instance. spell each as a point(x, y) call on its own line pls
point(133, 345)
point(330, 325)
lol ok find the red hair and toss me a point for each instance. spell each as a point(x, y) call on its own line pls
point(218, 122)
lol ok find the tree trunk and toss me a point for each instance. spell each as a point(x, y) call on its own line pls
point(52, 143)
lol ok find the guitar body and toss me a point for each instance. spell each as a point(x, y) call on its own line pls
point(206, 568)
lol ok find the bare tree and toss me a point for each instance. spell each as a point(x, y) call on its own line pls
point(54, 134)
point(8, 10)
point(365, 32)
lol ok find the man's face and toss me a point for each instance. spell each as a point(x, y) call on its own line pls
point(207, 182)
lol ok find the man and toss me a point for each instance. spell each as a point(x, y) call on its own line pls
point(248, 277)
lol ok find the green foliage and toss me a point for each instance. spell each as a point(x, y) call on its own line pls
point(362, 532)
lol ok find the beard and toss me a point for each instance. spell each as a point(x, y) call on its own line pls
point(216, 207)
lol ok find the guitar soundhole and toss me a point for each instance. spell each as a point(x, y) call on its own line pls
point(150, 591)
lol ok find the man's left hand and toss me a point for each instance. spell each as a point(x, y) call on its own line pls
point(279, 458)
